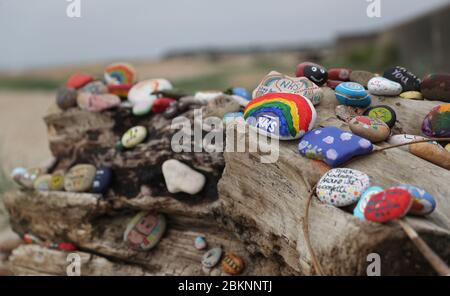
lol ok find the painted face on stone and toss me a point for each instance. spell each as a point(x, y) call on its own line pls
point(146, 224)
point(316, 73)
point(135, 237)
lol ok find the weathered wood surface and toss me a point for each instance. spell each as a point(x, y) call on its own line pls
point(271, 199)
point(257, 211)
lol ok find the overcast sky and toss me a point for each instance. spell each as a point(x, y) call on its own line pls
point(38, 33)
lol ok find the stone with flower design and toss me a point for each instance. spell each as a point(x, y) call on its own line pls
point(372, 129)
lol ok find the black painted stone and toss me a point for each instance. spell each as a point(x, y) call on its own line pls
point(407, 80)
point(313, 72)
point(102, 180)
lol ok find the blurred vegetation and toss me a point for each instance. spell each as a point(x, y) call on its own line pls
point(5, 184)
point(23, 82)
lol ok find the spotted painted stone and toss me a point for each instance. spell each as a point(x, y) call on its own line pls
point(388, 205)
point(358, 211)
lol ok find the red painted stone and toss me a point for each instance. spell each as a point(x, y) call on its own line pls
point(78, 80)
point(333, 83)
point(120, 90)
point(161, 104)
point(342, 74)
point(387, 205)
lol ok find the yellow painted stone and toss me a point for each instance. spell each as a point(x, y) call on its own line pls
point(412, 95)
point(447, 147)
point(134, 136)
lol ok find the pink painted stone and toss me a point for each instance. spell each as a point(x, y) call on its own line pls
point(97, 103)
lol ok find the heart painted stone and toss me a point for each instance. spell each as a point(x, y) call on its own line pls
point(102, 180)
point(120, 74)
point(275, 82)
point(432, 152)
point(43, 182)
point(333, 145)
point(145, 231)
point(423, 203)
point(407, 80)
point(200, 243)
point(371, 129)
point(436, 87)
point(341, 74)
point(212, 257)
point(134, 136)
point(233, 264)
point(161, 104)
point(411, 95)
point(79, 178)
point(352, 94)
point(313, 72)
point(66, 98)
point(361, 77)
point(358, 211)
point(437, 123)
point(179, 177)
point(95, 87)
point(381, 86)
point(78, 80)
point(281, 115)
point(403, 138)
point(388, 205)
point(342, 187)
point(383, 113)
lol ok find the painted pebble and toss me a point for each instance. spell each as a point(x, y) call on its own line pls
point(134, 136)
point(341, 74)
point(120, 74)
point(17, 173)
point(412, 95)
point(333, 145)
point(66, 98)
point(242, 92)
point(423, 202)
point(407, 80)
point(347, 113)
point(79, 178)
point(144, 90)
point(102, 180)
point(95, 87)
point(233, 264)
point(97, 103)
point(371, 129)
point(358, 211)
point(361, 77)
point(381, 86)
point(179, 177)
point(437, 123)
point(388, 205)
point(145, 231)
point(402, 139)
point(161, 104)
point(29, 177)
point(342, 187)
point(141, 108)
point(200, 243)
point(447, 147)
point(43, 183)
point(432, 152)
point(352, 94)
point(281, 115)
point(57, 181)
point(78, 80)
point(119, 90)
point(436, 87)
point(212, 257)
point(313, 72)
point(275, 82)
point(383, 113)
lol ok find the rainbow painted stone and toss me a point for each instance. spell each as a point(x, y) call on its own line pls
point(437, 122)
point(333, 145)
point(423, 202)
point(120, 74)
point(352, 94)
point(281, 115)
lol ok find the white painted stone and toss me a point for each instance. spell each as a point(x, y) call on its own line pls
point(181, 178)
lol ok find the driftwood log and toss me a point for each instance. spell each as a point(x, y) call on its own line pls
point(254, 209)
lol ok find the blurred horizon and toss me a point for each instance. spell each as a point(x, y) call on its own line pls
point(40, 35)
